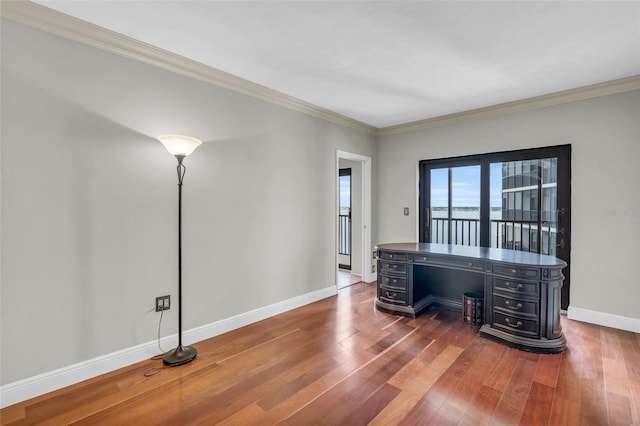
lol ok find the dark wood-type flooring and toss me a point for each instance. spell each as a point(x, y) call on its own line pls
point(341, 362)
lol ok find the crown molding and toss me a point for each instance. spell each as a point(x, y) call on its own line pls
point(51, 21)
point(612, 87)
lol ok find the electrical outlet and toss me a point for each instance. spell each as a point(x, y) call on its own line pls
point(374, 254)
point(373, 269)
point(163, 303)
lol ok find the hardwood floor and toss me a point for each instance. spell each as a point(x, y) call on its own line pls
point(340, 361)
point(346, 278)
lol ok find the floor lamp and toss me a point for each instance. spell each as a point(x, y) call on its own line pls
point(180, 147)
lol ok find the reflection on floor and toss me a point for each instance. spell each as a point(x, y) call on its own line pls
point(346, 278)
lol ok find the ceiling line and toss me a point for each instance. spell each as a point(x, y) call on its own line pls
point(51, 21)
point(612, 87)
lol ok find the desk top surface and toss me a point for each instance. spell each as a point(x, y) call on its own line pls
point(514, 257)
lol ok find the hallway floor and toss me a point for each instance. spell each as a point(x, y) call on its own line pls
point(346, 278)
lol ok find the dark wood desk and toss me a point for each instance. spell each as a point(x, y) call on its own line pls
point(521, 289)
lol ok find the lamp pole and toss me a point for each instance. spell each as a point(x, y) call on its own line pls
point(180, 147)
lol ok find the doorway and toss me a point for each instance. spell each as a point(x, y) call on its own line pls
point(344, 219)
point(353, 235)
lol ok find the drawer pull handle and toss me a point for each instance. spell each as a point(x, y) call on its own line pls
point(470, 264)
point(514, 271)
point(391, 296)
point(516, 325)
point(517, 306)
point(390, 256)
point(513, 287)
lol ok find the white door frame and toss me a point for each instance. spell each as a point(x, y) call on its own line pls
point(365, 262)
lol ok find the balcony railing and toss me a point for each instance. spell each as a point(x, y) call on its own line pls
point(523, 235)
point(344, 234)
point(464, 232)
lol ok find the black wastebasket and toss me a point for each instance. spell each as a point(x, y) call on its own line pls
point(472, 308)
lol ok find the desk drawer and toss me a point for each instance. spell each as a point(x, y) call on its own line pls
point(516, 325)
point(509, 305)
point(388, 255)
point(515, 287)
point(470, 264)
point(391, 296)
point(451, 262)
point(518, 272)
point(393, 283)
point(394, 268)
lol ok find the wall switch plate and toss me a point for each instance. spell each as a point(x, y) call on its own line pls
point(163, 303)
point(406, 211)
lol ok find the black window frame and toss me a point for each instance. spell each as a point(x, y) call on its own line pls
point(561, 152)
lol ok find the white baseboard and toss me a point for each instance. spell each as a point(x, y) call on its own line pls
point(605, 319)
point(22, 390)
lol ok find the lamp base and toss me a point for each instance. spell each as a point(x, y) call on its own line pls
point(180, 355)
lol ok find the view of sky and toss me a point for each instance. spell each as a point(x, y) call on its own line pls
point(345, 199)
point(465, 187)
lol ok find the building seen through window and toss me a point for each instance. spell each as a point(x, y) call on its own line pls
point(529, 206)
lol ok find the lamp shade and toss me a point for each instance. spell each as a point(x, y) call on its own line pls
point(179, 145)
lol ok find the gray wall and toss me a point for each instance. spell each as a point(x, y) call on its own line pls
point(89, 202)
point(605, 137)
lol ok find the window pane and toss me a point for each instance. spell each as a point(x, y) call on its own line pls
point(526, 205)
point(512, 206)
point(535, 172)
point(512, 177)
point(526, 173)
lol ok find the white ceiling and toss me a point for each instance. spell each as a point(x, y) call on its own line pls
point(391, 62)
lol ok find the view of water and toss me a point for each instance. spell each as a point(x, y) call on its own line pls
point(465, 213)
point(466, 230)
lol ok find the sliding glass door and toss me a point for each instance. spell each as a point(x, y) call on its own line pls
point(518, 200)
